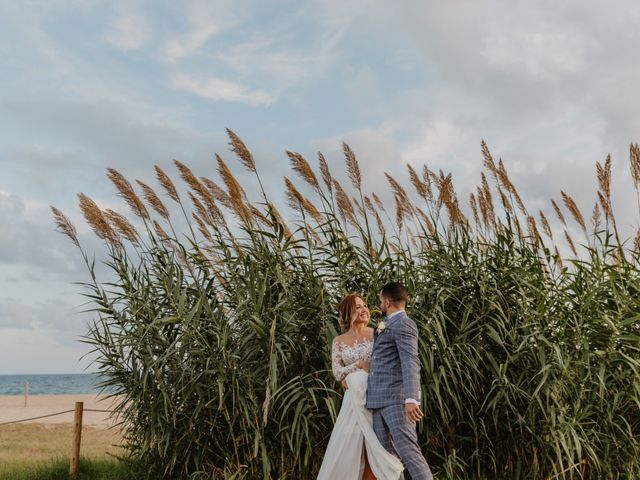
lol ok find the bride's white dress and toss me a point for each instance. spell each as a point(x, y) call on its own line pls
point(344, 457)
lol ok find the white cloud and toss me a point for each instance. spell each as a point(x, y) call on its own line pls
point(130, 31)
point(218, 89)
point(177, 48)
point(205, 18)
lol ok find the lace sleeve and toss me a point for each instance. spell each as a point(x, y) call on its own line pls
point(340, 371)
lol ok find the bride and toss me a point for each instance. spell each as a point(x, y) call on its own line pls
point(354, 452)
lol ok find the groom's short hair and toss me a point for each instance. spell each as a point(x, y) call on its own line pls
point(396, 292)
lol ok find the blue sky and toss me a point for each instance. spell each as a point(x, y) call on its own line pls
point(87, 85)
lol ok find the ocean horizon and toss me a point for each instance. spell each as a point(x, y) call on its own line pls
point(50, 384)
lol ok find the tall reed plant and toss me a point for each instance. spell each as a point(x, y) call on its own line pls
point(215, 328)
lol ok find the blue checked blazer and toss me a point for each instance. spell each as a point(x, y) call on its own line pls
point(394, 373)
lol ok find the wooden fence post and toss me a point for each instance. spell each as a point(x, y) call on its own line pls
point(77, 433)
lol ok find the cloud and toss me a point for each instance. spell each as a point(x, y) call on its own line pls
point(27, 238)
point(37, 351)
point(46, 313)
point(130, 31)
point(205, 18)
point(218, 89)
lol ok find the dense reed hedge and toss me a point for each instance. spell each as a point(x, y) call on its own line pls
point(217, 334)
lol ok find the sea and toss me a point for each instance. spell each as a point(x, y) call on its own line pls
point(54, 384)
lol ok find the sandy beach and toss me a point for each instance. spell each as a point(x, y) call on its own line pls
point(12, 408)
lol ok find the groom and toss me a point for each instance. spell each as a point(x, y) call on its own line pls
point(393, 389)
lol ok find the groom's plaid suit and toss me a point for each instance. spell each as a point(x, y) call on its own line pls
point(394, 376)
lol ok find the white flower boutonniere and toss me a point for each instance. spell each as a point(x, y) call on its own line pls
point(381, 327)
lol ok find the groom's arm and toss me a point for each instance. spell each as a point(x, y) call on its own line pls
point(406, 338)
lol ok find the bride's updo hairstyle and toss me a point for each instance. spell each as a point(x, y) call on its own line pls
point(347, 309)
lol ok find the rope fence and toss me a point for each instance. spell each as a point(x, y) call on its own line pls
point(77, 431)
point(54, 414)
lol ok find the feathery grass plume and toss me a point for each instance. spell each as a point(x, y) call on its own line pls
point(399, 213)
point(235, 190)
point(273, 211)
point(96, 220)
point(397, 188)
point(508, 184)
point(379, 203)
point(201, 223)
point(506, 203)
point(218, 193)
point(200, 208)
point(353, 169)
point(559, 214)
point(126, 191)
point(359, 207)
point(488, 160)
point(482, 205)
point(604, 177)
point(64, 225)
point(447, 197)
point(196, 185)
point(167, 184)
point(240, 149)
point(545, 225)
point(420, 187)
point(344, 204)
point(636, 241)
point(474, 208)
point(573, 208)
point(426, 181)
point(162, 235)
point(488, 199)
point(381, 228)
point(298, 202)
point(302, 168)
point(326, 173)
point(121, 225)
point(595, 218)
point(425, 219)
point(634, 154)
point(533, 230)
point(369, 205)
point(257, 214)
point(570, 242)
point(211, 193)
point(606, 206)
point(152, 199)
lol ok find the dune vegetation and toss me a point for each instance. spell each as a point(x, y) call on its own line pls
point(216, 323)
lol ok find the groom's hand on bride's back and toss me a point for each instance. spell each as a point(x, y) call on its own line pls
point(414, 414)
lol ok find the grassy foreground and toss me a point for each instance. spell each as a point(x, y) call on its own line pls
point(41, 451)
point(58, 469)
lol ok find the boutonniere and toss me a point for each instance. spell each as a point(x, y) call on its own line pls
point(381, 326)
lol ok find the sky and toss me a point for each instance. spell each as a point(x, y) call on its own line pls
point(552, 87)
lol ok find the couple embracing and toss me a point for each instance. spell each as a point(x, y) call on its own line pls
point(375, 436)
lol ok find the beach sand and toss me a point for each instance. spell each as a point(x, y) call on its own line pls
point(12, 408)
point(27, 443)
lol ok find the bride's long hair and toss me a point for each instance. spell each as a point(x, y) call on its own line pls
point(347, 309)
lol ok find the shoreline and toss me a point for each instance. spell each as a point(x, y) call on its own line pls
point(12, 408)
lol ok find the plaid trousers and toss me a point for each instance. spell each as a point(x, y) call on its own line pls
point(398, 435)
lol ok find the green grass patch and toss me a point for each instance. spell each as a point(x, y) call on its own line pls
point(58, 469)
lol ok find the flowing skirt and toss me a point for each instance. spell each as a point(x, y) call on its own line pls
point(344, 459)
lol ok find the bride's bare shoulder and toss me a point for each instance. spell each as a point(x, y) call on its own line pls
point(339, 338)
